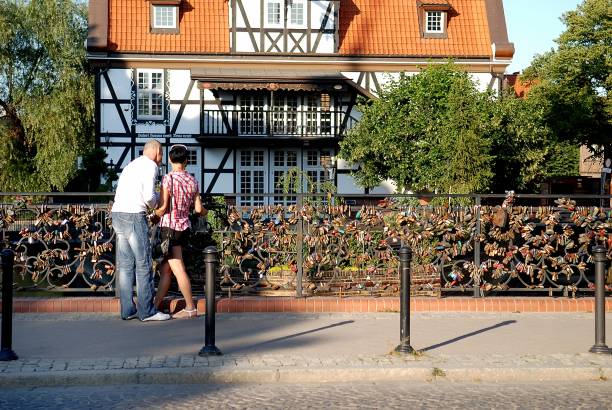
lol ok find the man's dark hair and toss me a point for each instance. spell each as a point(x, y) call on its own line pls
point(178, 154)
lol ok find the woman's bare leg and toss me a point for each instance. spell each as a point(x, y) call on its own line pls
point(178, 269)
point(164, 283)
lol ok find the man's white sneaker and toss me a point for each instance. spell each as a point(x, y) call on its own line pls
point(159, 316)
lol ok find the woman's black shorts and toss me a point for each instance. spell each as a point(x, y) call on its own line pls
point(177, 238)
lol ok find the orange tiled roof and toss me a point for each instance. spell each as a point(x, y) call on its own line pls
point(514, 81)
point(392, 27)
point(367, 27)
point(203, 28)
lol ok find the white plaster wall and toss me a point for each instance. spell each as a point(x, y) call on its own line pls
point(244, 43)
point(213, 157)
point(343, 164)
point(317, 14)
point(150, 129)
point(110, 119)
point(114, 153)
point(482, 80)
point(347, 185)
point(387, 187)
point(223, 185)
point(326, 44)
point(179, 82)
point(121, 81)
point(190, 120)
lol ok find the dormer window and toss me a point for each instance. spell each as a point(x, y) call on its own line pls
point(435, 21)
point(433, 18)
point(165, 16)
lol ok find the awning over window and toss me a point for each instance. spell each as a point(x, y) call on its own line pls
point(273, 80)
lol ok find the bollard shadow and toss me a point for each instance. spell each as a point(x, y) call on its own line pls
point(465, 336)
point(288, 337)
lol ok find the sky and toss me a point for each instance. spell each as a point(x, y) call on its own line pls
point(533, 25)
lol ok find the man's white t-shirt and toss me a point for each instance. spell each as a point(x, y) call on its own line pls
point(136, 187)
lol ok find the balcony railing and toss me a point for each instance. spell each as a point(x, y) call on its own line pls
point(276, 123)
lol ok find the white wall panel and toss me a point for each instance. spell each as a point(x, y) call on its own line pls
point(343, 164)
point(213, 157)
point(190, 120)
point(244, 43)
point(351, 75)
point(111, 122)
point(150, 128)
point(114, 153)
point(251, 9)
point(179, 81)
point(326, 45)
point(347, 185)
point(208, 95)
point(482, 80)
point(223, 185)
point(387, 187)
point(121, 81)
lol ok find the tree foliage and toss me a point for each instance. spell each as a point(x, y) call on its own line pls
point(435, 131)
point(526, 150)
point(46, 93)
point(425, 132)
point(572, 83)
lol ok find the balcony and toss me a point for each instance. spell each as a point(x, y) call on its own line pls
point(300, 124)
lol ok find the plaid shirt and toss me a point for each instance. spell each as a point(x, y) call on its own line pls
point(184, 190)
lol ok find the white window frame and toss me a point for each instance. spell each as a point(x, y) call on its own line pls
point(289, 158)
point(280, 4)
point(158, 8)
point(293, 5)
point(430, 14)
point(313, 169)
point(252, 115)
point(150, 92)
point(252, 174)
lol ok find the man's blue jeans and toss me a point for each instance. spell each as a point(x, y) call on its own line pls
point(134, 261)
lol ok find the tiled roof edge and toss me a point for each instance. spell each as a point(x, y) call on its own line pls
point(502, 47)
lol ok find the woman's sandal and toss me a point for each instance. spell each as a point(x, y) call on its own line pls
point(186, 313)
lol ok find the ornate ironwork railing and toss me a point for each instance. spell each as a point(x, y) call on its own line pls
point(280, 123)
point(323, 246)
point(60, 246)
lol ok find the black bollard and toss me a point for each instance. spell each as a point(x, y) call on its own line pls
point(405, 256)
point(210, 259)
point(6, 352)
point(600, 259)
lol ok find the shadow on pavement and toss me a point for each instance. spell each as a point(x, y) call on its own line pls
point(284, 338)
point(465, 336)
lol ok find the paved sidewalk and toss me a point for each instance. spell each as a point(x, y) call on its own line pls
point(94, 349)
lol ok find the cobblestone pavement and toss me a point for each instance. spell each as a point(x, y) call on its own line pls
point(586, 395)
point(299, 369)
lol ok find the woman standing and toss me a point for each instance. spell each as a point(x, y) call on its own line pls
point(178, 193)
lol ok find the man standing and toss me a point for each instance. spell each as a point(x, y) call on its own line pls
point(135, 192)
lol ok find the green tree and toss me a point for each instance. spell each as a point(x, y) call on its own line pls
point(526, 149)
point(88, 177)
point(572, 83)
point(430, 131)
point(46, 93)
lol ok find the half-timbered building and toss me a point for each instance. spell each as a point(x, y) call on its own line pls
point(256, 87)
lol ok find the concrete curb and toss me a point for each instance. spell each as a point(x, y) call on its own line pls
point(424, 373)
